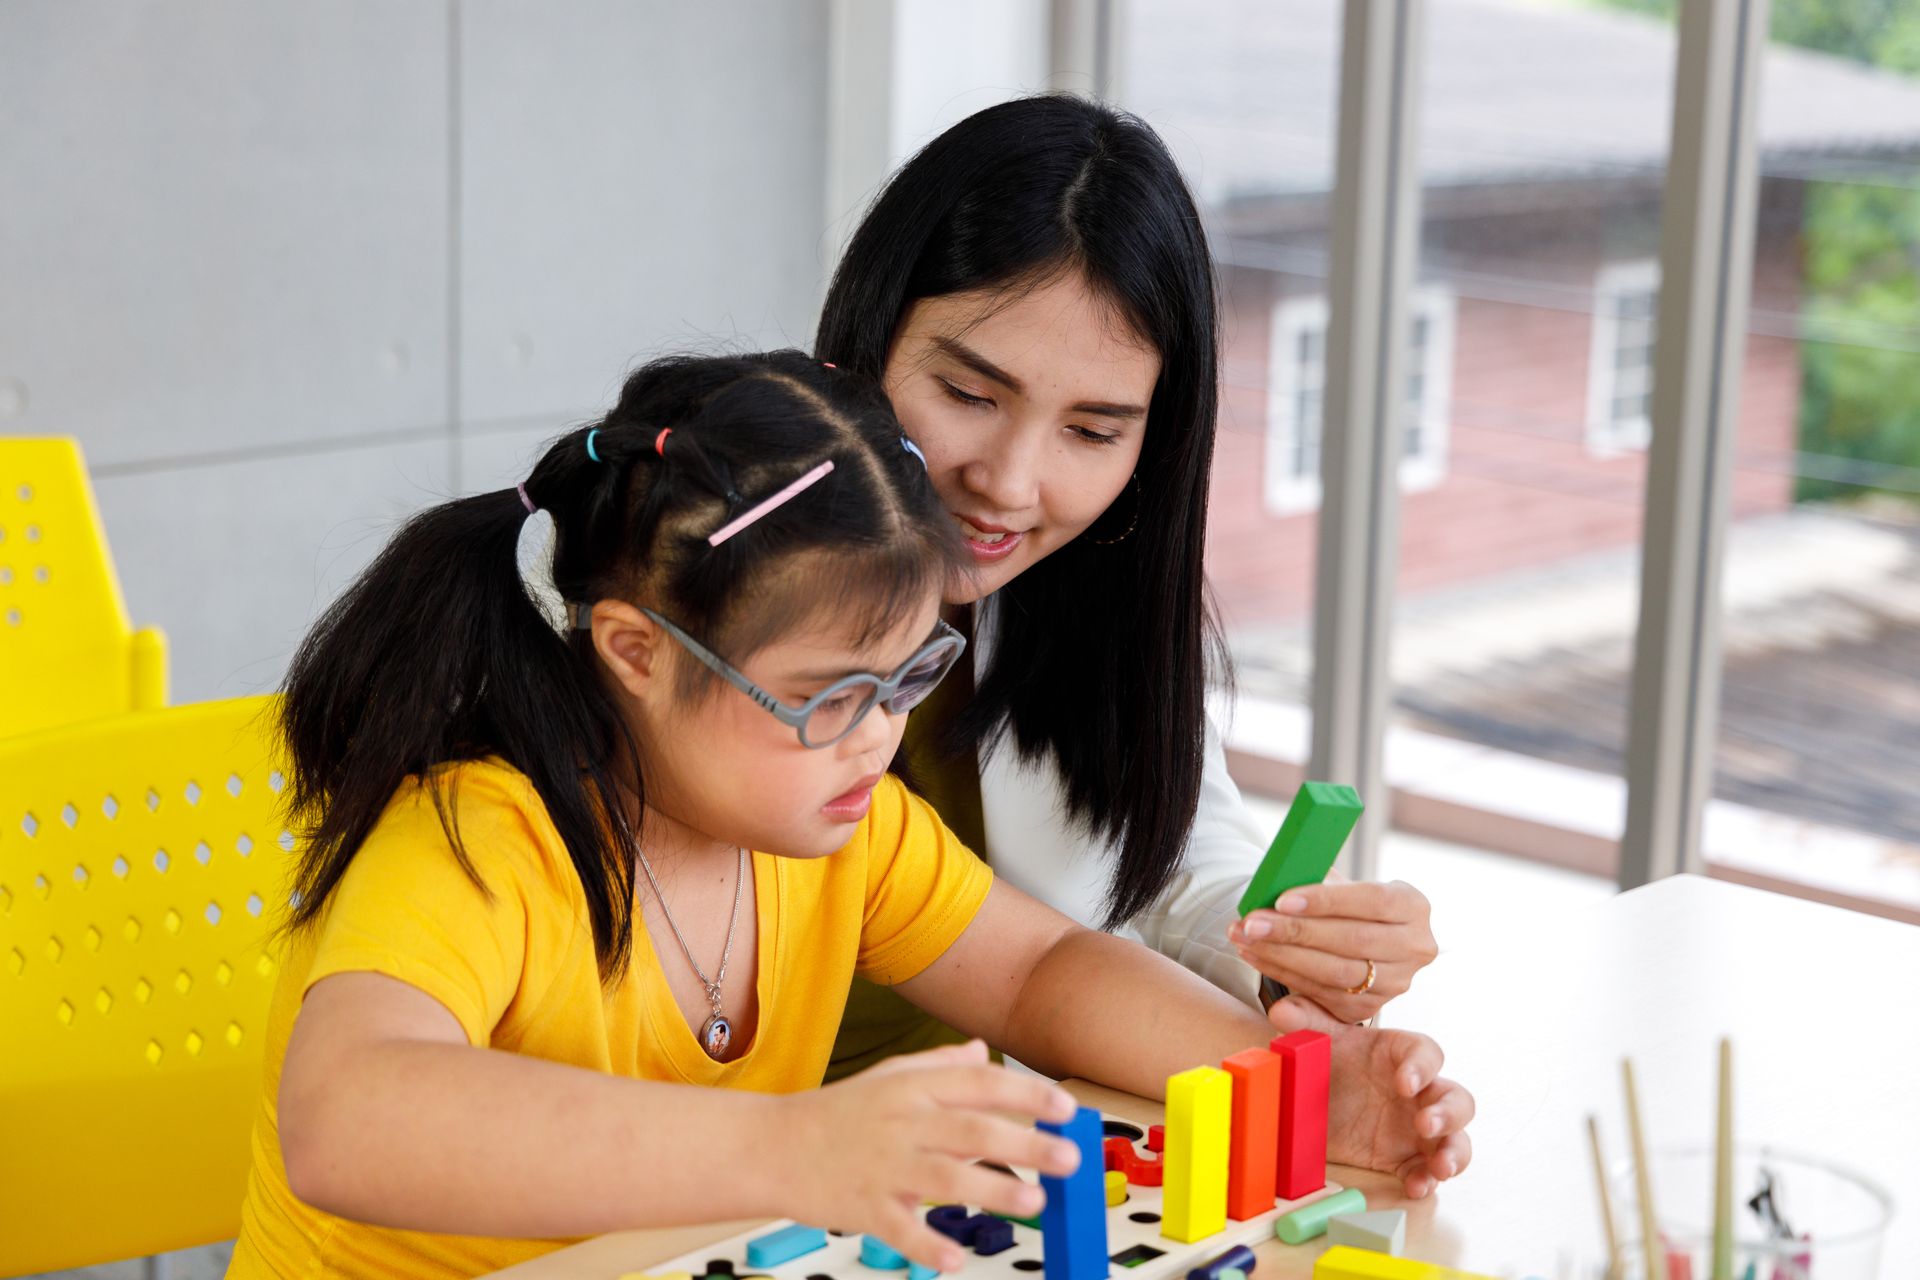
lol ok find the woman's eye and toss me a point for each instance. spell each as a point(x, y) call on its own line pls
point(963, 397)
point(1094, 437)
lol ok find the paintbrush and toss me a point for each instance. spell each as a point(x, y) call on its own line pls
point(1643, 1180)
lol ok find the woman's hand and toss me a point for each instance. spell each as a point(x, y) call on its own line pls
point(1389, 1109)
point(864, 1154)
point(1319, 938)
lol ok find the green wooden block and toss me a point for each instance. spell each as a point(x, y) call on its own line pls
point(1310, 1220)
point(1317, 824)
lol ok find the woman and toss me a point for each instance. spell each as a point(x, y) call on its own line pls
point(1035, 293)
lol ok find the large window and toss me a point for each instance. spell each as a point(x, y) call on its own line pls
point(1543, 136)
point(1819, 747)
point(1243, 91)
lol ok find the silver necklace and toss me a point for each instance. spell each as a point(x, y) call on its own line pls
point(716, 1033)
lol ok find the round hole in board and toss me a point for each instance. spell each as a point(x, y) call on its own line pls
point(1028, 1264)
point(1144, 1217)
point(1121, 1129)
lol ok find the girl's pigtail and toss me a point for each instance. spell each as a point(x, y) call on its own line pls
point(435, 654)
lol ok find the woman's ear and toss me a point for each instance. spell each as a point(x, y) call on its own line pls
point(632, 645)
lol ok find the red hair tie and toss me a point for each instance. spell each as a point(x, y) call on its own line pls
point(660, 441)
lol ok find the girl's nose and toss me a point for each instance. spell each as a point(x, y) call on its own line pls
point(876, 733)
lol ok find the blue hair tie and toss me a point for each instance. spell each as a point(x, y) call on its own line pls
point(913, 449)
point(590, 452)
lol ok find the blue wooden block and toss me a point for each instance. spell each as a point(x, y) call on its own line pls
point(784, 1245)
point(1239, 1258)
point(994, 1236)
point(917, 1272)
point(881, 1256)
point(1073, 1225)
point(954, 1222)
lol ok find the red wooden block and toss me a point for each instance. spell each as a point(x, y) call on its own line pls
point(1254, 1151)
point(1119, 1156)
point(1307, 1058)
point(1156, 1137)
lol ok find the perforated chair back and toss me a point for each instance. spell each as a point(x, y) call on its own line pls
point(143, 865)
point(67, 650)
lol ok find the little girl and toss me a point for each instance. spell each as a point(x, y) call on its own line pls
point(594, 850)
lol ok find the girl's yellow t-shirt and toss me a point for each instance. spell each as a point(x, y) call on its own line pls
point(517, 968)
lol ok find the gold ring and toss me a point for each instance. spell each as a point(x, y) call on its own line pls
point(1366, 986)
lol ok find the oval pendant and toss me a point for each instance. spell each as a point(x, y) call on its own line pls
point(716, 1033)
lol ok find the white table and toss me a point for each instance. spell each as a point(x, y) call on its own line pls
point(1823, 1006)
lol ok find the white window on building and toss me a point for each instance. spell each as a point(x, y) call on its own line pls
point(1620, 369)
point(1296, 387)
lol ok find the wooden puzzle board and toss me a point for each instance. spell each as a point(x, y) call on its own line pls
point(1132, 1225)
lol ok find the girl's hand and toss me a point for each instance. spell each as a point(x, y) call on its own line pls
point(1319, 939)
point(864, 1154)
point(1389, 1109)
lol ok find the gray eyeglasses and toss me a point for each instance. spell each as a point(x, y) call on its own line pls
point(836, 710)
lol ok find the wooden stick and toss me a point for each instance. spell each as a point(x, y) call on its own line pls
point(1723, 1169)
point(1606, 1200)
point(1643, 1181)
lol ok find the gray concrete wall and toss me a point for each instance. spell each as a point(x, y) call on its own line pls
point(290, 271)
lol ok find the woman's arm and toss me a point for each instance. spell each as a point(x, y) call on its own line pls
point(1070, 1001)
point(1317, 945)
point(388, 1116)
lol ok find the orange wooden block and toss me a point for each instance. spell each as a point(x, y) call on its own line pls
point(1253, 1154)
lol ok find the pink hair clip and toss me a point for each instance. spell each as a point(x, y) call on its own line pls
point(754, 513)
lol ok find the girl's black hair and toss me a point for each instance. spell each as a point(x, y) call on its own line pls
point(1102, 652)
point(437, 653)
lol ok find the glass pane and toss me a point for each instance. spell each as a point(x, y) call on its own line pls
point(1815, 778)
point(1244, 93)
point(1544, 131)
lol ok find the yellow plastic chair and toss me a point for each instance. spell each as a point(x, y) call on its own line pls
point(143, 864)
point(67, 650)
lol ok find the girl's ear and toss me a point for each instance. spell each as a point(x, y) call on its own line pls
point(632, 645)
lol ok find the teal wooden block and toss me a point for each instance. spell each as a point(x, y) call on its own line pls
point(1310, 1220)
point(881, 1256)
point(1318, 822)
point(784, 1245)
point(1383, 1230)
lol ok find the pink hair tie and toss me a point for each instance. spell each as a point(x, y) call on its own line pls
point(660, 441)
point(786, 495)
point(829, 364)
point(525, 501)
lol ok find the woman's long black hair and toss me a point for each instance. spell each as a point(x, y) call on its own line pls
point(437, 653)
point(1102, 651)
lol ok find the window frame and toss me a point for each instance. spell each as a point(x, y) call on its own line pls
point(1607, 435)
point(1286, 492)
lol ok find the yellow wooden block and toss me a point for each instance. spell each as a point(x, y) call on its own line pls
point(1199, 1131)
point(1116, 1188)
point(1344, 1262)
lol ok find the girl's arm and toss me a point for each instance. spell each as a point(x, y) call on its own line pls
point(388, 1116)
point(1069, 1001)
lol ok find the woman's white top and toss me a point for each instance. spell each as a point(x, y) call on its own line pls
point(1038, 850)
